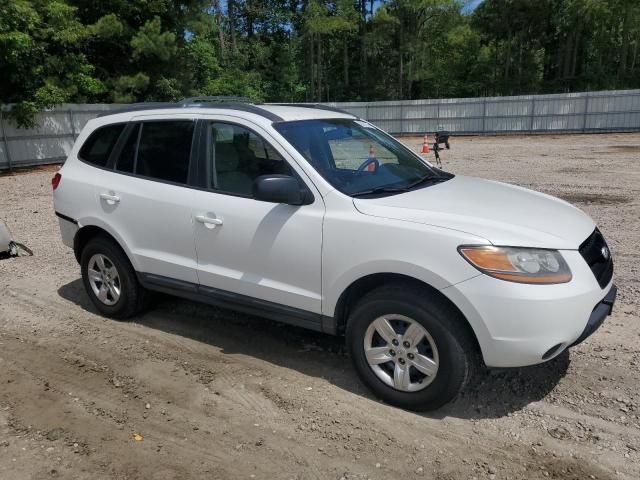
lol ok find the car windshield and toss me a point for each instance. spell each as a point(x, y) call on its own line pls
point(357, 158)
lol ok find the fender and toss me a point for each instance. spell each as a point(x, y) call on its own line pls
point(85, 222)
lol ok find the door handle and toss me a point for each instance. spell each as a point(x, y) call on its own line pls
point(110, 198)
point(209, 220)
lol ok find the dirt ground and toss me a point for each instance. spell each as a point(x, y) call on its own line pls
point(218, 395)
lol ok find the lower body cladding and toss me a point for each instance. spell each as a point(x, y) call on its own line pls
point(521, 324)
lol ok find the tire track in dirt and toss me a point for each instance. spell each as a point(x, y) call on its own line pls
point(246, 401)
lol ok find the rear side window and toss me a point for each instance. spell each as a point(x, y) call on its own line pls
point(99, 145)
point(158, 150)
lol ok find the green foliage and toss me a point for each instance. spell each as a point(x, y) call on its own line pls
point(41, 57)
point(151, 42)
point(201, 64)
point(56, 51)
point(127, 88)
point(108, 27)
point(236, 83)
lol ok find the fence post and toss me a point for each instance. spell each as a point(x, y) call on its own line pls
point(401, 118)
point(73, 125)
point(533, 113)
point(4, 138)
point(584, 114)
point(484, 115)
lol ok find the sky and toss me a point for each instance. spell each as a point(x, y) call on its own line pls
point(470, 5)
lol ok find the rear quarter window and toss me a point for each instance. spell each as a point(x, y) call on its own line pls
point(98, 147)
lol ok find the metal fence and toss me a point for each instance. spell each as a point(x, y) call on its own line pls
point(611, 111)
point(52, 139)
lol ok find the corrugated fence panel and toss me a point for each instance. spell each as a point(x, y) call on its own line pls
point(610, 111)
point(4, 163)
point(572, 112)
point(51, 140)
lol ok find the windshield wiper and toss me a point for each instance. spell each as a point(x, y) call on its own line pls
point(386, 189)
point(427, 179)
point(380, 190)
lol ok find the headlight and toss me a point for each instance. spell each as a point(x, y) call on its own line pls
point(521, 265)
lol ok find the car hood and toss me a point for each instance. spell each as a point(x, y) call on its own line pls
point(501, 213)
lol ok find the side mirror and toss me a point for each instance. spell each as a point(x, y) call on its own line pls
point(279, 189)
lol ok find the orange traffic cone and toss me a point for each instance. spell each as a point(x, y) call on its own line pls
point(425, 144)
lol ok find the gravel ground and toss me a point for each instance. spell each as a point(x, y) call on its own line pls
point(190, 391)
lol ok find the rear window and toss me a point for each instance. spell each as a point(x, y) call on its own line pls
point(99, 145)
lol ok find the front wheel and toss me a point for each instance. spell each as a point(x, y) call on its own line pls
point(410, 347)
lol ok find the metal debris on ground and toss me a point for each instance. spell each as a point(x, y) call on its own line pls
point(8, 247)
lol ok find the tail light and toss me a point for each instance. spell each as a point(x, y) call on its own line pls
point(55, 181)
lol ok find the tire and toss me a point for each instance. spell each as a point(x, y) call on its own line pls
point(447, 343)
point(130, 297)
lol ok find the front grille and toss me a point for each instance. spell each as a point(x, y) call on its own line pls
point(600, 265)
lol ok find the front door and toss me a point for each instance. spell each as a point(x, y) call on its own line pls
point(248, 247)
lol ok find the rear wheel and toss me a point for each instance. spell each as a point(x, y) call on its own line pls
point(410, 347)
point(110, 280)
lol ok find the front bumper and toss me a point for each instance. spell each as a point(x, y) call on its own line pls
point(600, 312)
point(518, 325)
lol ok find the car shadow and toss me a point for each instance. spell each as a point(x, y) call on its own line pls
point(494, 393)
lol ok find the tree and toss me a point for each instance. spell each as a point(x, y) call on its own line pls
point(42, 57)
point(55, 51)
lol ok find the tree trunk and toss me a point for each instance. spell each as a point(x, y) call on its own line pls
point(495, 66)
point(401, 69)
point(312, 65)
point(576, 53)
point(345, 66)
point(250, 18)
point(624, 51)
point(363, 60)
point(519, 83)
point(634, 56)
point(507, 64)
point(231, 5)
point(218, 19)
point(401, 77)
point(320, 76)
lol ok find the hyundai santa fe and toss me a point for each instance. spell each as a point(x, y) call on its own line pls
point(311, 216)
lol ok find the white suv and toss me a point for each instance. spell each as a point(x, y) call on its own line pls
point(311, 216)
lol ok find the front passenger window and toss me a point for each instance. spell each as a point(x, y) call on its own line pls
point(237, 156)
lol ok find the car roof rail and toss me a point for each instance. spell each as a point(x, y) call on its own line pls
point(318, 106)
point(191, 101)
point(201, 102)
point(244, 104)
point(137, 106)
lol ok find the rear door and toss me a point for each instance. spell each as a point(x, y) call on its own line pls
point(256, 249)
point(145, 199)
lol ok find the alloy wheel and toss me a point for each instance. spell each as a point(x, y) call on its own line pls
point(104, 279)
point(401, 352)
